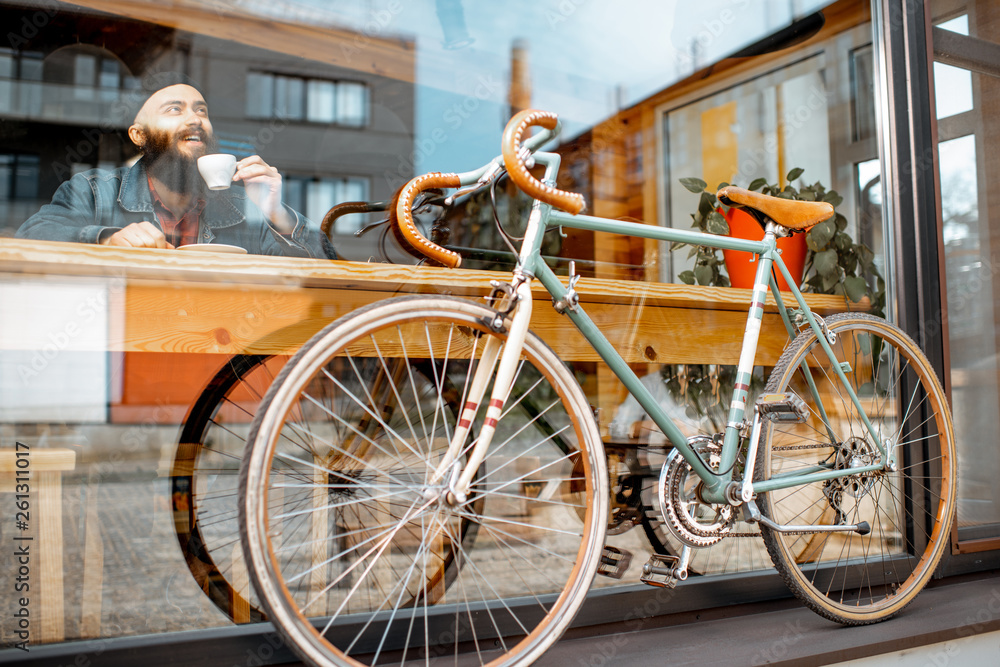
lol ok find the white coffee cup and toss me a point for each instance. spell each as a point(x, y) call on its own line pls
point(217, 170)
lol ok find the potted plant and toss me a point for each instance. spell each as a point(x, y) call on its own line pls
point(833, 264)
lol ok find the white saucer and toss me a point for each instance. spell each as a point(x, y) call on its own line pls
point(214, 247)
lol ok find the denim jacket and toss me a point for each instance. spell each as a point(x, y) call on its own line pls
point(96, 201)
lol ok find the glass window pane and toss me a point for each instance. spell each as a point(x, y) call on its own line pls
point(862, 94)
point(959, 24)
point(288, 97)
point(85, 70)
point(260, 94)
point(296, 98)
point(321, 196)
point(6, 177)
point(110, 74)
point(31, 66)
point(293, 193)
point(321, 101)
point(869, 198)
point(350, 189)
point(392, 90)
point(26, 177)
point(952, 90)
point(972, 332)
point(108, 79)
point(352, 103)
point(6, 64)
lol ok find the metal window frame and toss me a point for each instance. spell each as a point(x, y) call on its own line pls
point(905, 43)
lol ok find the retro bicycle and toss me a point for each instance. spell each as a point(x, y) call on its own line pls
point(399, 502)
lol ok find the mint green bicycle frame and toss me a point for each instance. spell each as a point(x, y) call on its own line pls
point(715, 485)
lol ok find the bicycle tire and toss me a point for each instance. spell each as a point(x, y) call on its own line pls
point(204, 478)
point(846, 577)
point(204, 482)
point(529, 498)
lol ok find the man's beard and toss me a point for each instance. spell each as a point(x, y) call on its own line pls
point(165, 161)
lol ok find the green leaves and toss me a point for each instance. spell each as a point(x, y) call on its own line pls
point(706, 204)
point(694, 184)
point(825, 263)
point(704, 274)
point(716, 224)
point(820, 235)
point(833, 199)
point(836, 264)
point(855, 287)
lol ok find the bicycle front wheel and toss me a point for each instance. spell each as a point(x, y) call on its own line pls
point(358, 553)
point(847, 577)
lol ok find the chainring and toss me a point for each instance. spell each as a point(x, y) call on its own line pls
point(691, 521)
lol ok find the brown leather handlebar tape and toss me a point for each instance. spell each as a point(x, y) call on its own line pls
point(405, 229)
point(570, 202)
point(347, 208)
point(789, 213)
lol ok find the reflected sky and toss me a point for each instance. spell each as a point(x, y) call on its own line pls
point(953, 85)
point(587, 59)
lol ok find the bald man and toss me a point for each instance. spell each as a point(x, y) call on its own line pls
point(161, 201)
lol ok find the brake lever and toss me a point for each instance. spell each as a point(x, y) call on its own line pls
point(494, 171)
point(370, 226)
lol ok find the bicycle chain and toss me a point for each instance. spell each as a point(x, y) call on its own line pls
point(794, 532)
point(798, 447)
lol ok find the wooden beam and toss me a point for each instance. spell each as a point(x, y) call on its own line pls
point(368, 52)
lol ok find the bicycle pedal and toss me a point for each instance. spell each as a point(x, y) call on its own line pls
point(660, 570)
point(614, 562)
point(784, 408)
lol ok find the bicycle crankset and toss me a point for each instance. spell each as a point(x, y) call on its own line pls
point(691, 521)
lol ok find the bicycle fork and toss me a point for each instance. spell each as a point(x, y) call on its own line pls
point(492, 355)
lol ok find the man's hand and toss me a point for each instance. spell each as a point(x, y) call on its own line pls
point(138, 235)
point(263, 184)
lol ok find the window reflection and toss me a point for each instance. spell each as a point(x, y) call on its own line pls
point(970, 265)
point(349, 101)
point(953, 85)
point(869, 193)
point(952, 90)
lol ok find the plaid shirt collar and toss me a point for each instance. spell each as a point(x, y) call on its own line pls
point(179, 231)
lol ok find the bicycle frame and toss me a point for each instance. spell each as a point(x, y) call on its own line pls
point(718, 488)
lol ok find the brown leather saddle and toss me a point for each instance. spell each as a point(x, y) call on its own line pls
point(795, 215)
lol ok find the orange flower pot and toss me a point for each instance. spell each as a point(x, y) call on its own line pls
point(741, 270)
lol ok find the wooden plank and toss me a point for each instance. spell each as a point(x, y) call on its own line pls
point(230, 321)
point(42, 460)
point(168, 267)
point(93, 568)
point(647, 322)
point(48, 510)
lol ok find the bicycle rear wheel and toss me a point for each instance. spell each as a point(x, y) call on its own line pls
point(378, 594)
point(846, 577)
point(204, 481)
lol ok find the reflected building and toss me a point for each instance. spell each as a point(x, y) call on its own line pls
point(332, 121)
